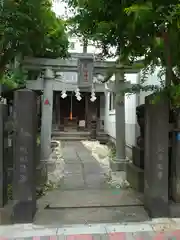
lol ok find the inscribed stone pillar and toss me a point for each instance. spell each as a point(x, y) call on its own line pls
point(47, 111)
point(175, 162)
point(156, 157)
point(24, 181)
point(120, 122)
point(3, 154)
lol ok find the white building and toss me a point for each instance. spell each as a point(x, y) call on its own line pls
point(107, 104)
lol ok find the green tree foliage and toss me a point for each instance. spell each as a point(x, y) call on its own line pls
point(148, 30)
point(30, 28)
point(135, 30)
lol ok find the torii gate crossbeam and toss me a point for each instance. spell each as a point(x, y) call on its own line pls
point(71, 65)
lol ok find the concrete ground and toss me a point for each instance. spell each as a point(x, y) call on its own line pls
point(87, 207)
point(158, 229)
point(85, 196)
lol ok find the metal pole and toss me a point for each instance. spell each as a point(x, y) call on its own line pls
point(71, 109)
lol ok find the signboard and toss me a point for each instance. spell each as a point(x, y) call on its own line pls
point(85, 72)
point(46, 102)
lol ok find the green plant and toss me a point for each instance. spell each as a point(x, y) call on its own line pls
point(112, 149)
point(30, 28)
point(9, 192)
point(134, 31)
point(46, 188)
point(39, 192)
point(38, 140)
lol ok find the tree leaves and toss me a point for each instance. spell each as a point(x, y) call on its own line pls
point(30, 28)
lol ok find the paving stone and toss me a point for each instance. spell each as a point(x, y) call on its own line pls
point(71, 160)
point(121, 236)
point(144, 235)
point(73, 168)
point(95, 179)
point(57, 217)
point(85, 194)
point(133, 227)
point(93, 197)
point(20, 232)
point(72, 181)
point(92, 168)
point(82, 229)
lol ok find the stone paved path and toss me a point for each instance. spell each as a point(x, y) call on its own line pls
point(82, 171)
point(85, 196)
point(163, 229)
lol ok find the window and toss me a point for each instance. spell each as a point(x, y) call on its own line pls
point(72, 45)
point(112, 97)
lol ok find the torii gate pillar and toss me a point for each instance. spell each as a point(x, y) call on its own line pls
point(47, 110)
point(120, 161)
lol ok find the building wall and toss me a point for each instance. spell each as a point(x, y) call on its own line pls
point(109, 122)
point(102, 111)
point(130, 115)
point(108, 115)
point(131, 126)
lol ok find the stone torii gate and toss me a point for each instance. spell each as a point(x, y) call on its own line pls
point(85, 65)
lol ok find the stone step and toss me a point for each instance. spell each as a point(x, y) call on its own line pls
point(70, 138)
point(77, 136)
point(57, 217)
point(75, 133)
point(72, 133)
point(93, 198)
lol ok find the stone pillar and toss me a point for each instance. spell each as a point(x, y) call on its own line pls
point(156, 158)
point(47, 111)
point(86, 112)
point(24, 181)
point(120, 123)
point(58, 113)
point(175, 162)
point(3, 154)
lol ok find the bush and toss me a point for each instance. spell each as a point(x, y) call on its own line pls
point(39, 192)
point(112, 148)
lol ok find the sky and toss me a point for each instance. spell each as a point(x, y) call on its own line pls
point(59, 8)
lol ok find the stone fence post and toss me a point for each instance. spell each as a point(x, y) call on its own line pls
point(24, 181)
point(3, 154)
point(156, 162)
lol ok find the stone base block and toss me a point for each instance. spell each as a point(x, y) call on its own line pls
point(138, 157)
point(5, 215)
point(175, 189)
point(174, 209)
point(24, 211)
point(117, 165)
point(135, 176)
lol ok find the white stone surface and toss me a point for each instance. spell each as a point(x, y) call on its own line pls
point(141, 227)
point(29, 230)
point(26, 230)
point(55, 164)
point(80, 229)
point(101, 153)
